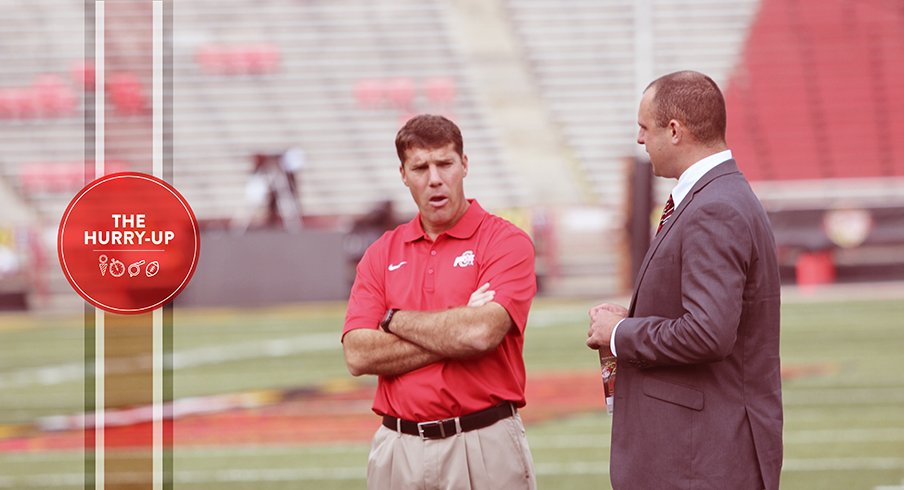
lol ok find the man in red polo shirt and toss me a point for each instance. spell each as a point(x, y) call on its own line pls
point(437, 312)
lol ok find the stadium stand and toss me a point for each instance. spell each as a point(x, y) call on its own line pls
point(252, 78)
point(590, 63)
point(583, 57)
point(814, 84)
point(816, 122)
point(815, 95)
point(333, 59)
point(40, 119)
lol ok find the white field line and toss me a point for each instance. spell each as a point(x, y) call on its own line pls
point(248, 475)
point(890, 487)
point(273, 348)
point(202, 356)
point(541, 443)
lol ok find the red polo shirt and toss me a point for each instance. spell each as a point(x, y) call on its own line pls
point(404, 269)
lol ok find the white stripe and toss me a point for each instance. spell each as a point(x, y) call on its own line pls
point(842, 464)
point(157, 382)
point(157, 315)
point(798, 437)
point(844, 435)
point(890, 487)
point(99, 95)
point(202, 356)
point(99, 161)
point(157, 90)
point(590, 441)
point(99, 398)
point(267, 348)
point(600, 467)
point(892, 395)
point(272, 475)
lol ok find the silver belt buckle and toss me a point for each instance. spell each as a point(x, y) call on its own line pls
point(422, 425)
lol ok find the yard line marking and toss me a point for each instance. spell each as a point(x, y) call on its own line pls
point(843, 464)
point(890, 487)
point(272, 475)
point(201, 356)
point(844, 435)
point(247, 475)
point(844, 396)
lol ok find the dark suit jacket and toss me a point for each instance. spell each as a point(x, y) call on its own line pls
point(698, 391)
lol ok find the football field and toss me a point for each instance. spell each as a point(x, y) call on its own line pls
point(274, 407)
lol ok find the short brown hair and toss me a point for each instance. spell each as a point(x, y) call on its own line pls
point(428, 131)
point(694, 100)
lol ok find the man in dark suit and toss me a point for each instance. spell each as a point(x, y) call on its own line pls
point(698, 390)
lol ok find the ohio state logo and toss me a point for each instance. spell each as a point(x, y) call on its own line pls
point(464, 260)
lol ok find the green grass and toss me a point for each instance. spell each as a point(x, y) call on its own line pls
point(844, 422)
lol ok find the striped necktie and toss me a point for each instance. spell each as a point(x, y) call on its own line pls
point(666, 213)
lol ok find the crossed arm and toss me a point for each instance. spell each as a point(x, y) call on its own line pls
point(419, 338)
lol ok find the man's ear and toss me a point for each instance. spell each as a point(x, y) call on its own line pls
point(464, 162)
point(403, 174)
point(676, 130)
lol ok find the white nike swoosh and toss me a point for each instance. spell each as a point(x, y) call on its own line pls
point(393, 267)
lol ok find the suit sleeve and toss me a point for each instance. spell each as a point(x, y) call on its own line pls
point(716, 248)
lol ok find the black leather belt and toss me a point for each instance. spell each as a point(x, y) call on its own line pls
point(441, 429)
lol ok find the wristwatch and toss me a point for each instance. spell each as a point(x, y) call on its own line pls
point(384, 324)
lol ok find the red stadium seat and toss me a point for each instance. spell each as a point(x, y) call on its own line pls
point(127, 94)
point(270, 58)
point(7, 108)
point(440, 89)
point(261, 58)
point(369, 93)
point(65, 177)
point(23, 102)
point(211, 59)
point(54, 98)
point(816, 94)
point(82, 74)
point(241, 59)
point(401, 92)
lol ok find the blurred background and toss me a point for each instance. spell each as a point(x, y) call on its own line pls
point(283, 116)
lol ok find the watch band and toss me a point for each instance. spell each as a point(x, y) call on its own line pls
point(384, 324)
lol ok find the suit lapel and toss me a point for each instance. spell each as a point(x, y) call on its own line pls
point(724, 168)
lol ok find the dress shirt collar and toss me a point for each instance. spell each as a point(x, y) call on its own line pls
point(694, 172)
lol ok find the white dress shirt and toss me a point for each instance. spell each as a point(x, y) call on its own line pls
point(686, 182)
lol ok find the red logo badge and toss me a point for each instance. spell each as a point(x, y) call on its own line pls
point(128, 243)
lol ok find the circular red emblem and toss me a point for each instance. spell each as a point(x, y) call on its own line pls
point(128, 243)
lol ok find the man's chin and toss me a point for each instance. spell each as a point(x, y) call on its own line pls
point(434, 219)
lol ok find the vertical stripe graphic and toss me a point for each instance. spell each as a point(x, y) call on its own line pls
point(99, 160)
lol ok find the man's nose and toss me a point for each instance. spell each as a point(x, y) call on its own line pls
point(434, 176)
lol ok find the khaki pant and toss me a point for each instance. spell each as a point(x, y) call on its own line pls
point(495, 457)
